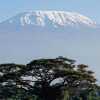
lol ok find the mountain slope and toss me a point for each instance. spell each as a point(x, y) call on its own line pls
point(61, 18)
point(53, 18)
point(48, 22)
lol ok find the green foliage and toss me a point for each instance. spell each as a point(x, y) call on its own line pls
point(38, 81)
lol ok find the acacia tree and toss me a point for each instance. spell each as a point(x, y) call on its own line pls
point(48, 79)
point(46, 72)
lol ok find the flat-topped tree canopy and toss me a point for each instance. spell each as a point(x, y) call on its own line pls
point(46, 78)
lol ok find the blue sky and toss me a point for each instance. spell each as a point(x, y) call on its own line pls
point(89, 8)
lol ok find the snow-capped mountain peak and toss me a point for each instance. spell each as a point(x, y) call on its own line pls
point(55, 18)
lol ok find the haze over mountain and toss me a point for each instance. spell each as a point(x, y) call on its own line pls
point(36, 34)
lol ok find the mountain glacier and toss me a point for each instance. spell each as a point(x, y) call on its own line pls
point(60, 18)
point(48, 22)
point(55, 18)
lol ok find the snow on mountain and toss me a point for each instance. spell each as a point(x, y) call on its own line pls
point(53, 18)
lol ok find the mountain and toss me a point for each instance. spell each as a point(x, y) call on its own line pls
point(47, 21)
point(53, 18)
point(37, 34)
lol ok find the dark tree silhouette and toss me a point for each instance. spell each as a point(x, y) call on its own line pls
point(47, 79)
point(77, 80)
point(9, 78)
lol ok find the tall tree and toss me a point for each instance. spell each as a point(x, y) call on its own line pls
point(54, 76)
point(48, 79)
